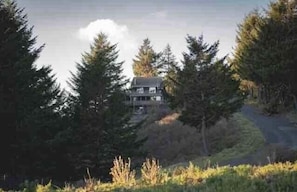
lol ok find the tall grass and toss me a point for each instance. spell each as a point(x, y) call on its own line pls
point(277, 177)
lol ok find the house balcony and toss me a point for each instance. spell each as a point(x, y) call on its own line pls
point(144, 103)
point(145, 94)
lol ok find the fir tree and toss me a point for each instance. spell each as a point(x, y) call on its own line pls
point(146, 62)
point(168, 67)
point(102, 130)
point(29, 99)
point(205, 89)
point(265, 52)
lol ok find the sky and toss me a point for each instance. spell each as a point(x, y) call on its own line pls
point(68, 27)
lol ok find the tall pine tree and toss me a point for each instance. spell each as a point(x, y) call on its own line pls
point(29, 100)
point(102, 130)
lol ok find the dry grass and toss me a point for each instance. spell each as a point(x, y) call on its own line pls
point(150, 171)
point(277, 177)
point(121, 171)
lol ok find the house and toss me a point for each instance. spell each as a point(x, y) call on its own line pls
point(145, 92)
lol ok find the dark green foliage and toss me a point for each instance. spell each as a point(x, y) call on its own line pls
point(266, 52)
point(30, 101)
point(169, 67)
point(206, 84)
point(206, 90)
point(101, 128)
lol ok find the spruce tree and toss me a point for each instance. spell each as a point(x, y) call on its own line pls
point(205, 90)
point(168, 67)
point(102, 129)
point(146, 62)
point(29, 100)
point(265, 53)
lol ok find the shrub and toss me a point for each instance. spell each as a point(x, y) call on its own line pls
point(121, 173)
point(150, 171)
point(90, 183)
point(44, 188)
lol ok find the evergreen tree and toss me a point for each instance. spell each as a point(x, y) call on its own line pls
point(146, 62)
point(247, 35)
point(206, 90)
point(168, 66)
point(29, 100)
point(102, 130)
point(265, 52)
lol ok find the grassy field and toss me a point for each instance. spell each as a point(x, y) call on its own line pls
point(244, 178)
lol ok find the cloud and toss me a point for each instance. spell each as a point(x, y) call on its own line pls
point(117, 34)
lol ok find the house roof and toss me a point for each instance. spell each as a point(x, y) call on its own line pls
point(146, 82)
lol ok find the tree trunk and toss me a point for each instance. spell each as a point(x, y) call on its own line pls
point(204, 137)
point(203, 129)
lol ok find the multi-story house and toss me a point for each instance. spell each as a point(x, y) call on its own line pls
point(146, 92)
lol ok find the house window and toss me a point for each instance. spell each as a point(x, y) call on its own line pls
point(140, 90)
point(152, 90)
point(158, 98)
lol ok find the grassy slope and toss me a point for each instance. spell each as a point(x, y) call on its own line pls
point(243, 178)
point(250, 140)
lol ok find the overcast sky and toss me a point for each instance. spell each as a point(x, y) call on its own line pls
point(67, 27)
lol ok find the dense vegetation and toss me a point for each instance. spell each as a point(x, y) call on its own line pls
point(265, 54)
point(47, 133)
point(30, 102)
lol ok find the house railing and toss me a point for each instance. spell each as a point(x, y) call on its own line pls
point(133, 94)
point(144, 103)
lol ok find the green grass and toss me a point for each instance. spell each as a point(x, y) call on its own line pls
point(244, 178)
point(173, 143)
point(249, 141)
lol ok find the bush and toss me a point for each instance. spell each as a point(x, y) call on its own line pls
point(121, 173)
point(150, 171)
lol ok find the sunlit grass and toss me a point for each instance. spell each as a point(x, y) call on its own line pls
point(244, 178)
